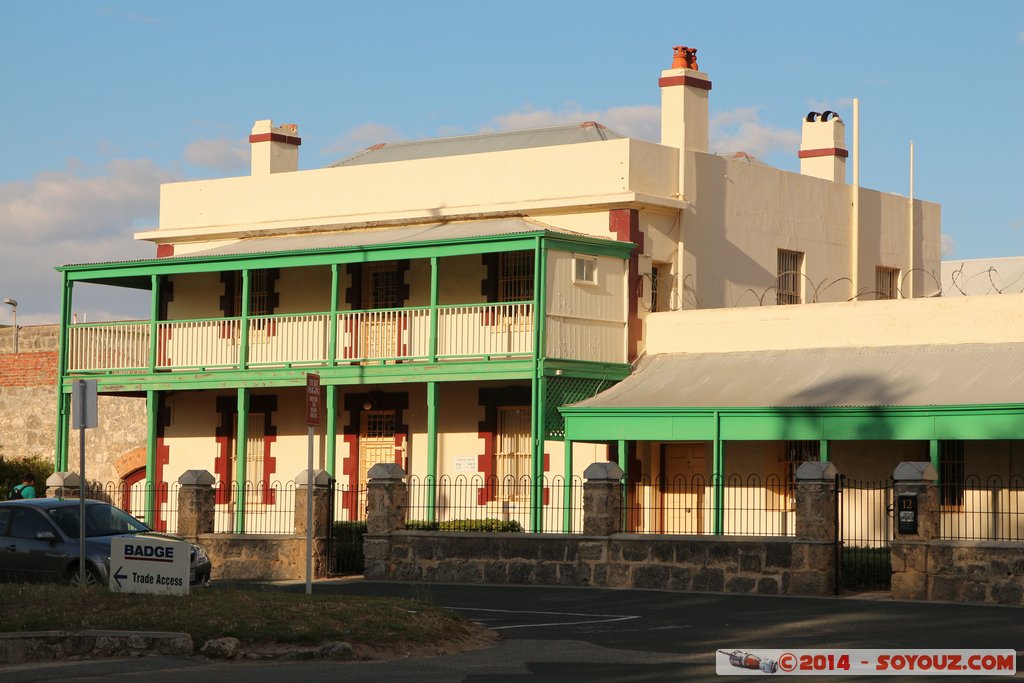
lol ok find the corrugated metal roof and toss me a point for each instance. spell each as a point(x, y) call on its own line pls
point(495, 227)
point(589, 131)
point(964, 374)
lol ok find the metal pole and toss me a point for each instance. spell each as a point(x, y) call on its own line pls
point(81, 487)
point(309, 513)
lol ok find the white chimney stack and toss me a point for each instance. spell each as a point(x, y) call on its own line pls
point(823, 147)
point(684, 102)
point(274, 149)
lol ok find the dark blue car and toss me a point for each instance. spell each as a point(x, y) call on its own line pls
point(39, 541)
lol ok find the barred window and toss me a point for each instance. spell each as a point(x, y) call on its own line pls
point(515, 276)
point(261, 289)
point(951, 472)
point(887, 282)
point(790, 277)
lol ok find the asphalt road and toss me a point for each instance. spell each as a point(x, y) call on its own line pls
point(577, 634)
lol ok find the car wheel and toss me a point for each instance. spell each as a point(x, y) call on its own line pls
point(92, 578)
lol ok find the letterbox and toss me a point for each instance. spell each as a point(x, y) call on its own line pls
point(906, 514)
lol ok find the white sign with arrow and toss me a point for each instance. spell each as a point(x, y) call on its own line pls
point(140, 564)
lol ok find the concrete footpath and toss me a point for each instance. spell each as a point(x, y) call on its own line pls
point(570, 634)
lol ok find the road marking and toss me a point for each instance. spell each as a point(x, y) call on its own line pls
point(604, 618)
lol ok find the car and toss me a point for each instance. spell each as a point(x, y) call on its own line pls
point(39, 541)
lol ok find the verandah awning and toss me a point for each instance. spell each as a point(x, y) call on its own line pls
point(965, 391)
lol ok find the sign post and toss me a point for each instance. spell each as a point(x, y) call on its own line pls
point(83, 416)
point(312, 420)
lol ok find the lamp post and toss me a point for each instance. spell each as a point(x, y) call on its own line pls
point(14, 310)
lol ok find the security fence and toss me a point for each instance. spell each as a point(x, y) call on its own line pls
point(974, 509)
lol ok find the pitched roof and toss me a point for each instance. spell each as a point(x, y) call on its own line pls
point(919, 375)
point(588, 131)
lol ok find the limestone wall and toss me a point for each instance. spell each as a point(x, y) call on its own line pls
point(28, 404)
point(776, 566)
point(959, 571)
point(269, 558)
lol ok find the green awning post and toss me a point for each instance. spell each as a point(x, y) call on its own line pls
point(432, 403)
point(933, 457)
point(432, 351)
point(331, 428)
point(60, 455)
point(154, 314)
point(538, 386)
point(332, 332)
point(243, 333)
point(823, 450)
point(718, 478)
point(152, 417)
point(241, 443)
point(567, 487)
point(624, 466)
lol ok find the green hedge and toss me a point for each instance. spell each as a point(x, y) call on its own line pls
point(13, 471)
point(488, 525)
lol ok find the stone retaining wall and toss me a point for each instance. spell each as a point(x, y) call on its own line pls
point(959, 571)
point(262, 557)
point(734, 564)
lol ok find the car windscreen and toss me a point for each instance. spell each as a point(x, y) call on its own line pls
point(100, 520)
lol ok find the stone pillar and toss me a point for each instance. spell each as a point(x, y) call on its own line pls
point(910, 551)
point(321, 507)
point(602, 499)
point(386, 500)
point(816, 501)
point(196, 500)
point(63, 485)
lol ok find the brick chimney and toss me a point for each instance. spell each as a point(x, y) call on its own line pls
point(274, 149)
point(823, 147)
point(684, 102)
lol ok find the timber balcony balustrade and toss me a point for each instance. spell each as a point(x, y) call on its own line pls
point(470, 331)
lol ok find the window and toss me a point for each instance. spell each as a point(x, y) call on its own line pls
point(887, 282)
point(661, 287)
point(376, 440)
point(793, 453)
point(951, 473)
point(261, 293)
point(512, 452)
point(380, 285)
point(515, 276)
point(790, 277)
point(584, 270)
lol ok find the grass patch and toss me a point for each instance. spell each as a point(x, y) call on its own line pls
point(252, 616)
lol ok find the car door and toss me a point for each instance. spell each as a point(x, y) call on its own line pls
point(27, 555)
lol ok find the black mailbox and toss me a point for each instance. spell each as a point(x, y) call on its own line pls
point(906, 514)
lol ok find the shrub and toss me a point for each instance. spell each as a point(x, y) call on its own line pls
point(866, 568)
point(13, 471)
point(488, 525)
point(347, 539)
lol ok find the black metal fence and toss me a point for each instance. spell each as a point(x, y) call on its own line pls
point(744, 504)
point(865, 530)
point(477, 503)
point(974, 509)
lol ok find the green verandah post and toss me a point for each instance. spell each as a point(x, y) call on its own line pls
point(63, 399)
point(331, 390)
point(718, 478)
point(152, 416)
point(538, 385)
point(242, 429)
point(432, 396)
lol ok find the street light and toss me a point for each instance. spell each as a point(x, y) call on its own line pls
point(14, 310)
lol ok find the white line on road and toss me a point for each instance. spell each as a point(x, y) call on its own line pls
point(604, 618)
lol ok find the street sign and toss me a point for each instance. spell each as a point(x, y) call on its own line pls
point(149, 565)
point(312, 400)
point(83, 404)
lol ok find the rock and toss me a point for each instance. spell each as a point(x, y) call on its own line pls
point(336, 650)
point(221, 648)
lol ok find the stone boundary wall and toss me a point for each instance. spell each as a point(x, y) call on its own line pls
point(262, 557)
point(732, 564)
point(959, 571)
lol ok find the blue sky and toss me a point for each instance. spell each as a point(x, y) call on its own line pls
point(105, 100)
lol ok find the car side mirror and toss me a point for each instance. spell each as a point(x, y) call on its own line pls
point(46, 536)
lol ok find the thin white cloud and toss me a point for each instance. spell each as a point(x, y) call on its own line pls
point(741, 130)
point(360, 138)
point(947, 245)
point(56, 204)
point(220, 154)
point(73, 216)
